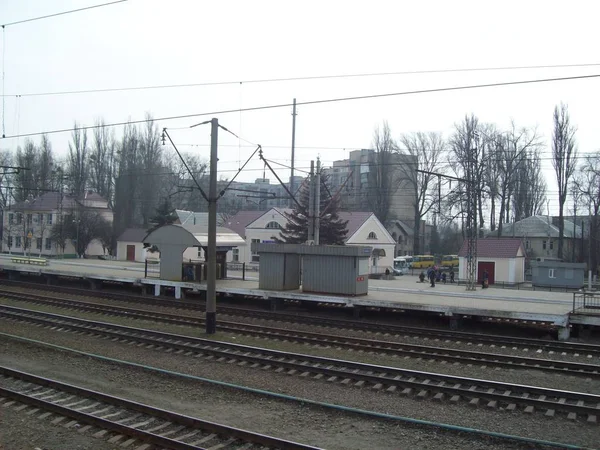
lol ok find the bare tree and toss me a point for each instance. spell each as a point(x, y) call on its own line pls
point(43, 169)
point(102, 162)
point(41, 227)
point(77, 161)
point(469, 145)
point(382, 174)
point(150, 163)
point(564, 155)
point(521, 186)
point(586, 183)
point(126, 179)
point(426, 150)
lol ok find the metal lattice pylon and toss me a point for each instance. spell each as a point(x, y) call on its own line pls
point(471, 222)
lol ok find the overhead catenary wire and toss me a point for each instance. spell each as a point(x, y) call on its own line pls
point(321, 101)
point(186, 166)
point(62, 13)
point(300, 78)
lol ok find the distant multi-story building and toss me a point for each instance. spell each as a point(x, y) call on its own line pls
point(540, 237)
point(261, 195)
point(360, 176)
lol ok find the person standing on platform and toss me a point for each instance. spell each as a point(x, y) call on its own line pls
point(432, 277)
point(484, 281)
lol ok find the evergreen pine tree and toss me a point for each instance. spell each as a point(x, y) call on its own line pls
point(165, 215)
point(332, 230)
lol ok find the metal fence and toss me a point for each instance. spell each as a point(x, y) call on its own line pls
point(586, 301)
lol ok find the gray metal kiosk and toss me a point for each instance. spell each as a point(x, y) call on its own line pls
point(279, 266)
point(335, 269)
point(327, 269)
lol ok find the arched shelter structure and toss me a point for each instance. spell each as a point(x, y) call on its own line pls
point(172, 240)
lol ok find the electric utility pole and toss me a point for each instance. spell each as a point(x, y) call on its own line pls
point(293, 151)
point(317, 202)
point(471, 217)
point(311, 202)
point(472, 231)
point(211, 278)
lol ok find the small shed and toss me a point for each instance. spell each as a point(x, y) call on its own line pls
point(172, 240)
point(130, 245)
point(556, 273)
point(502, 258)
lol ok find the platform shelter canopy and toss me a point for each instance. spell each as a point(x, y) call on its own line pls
point(191, 236)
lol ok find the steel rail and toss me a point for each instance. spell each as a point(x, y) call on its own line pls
point(319, 339)
point(318, 320)
point(31, 395)
point(347, 372)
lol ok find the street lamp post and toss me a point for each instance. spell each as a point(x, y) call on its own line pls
point(76, 222)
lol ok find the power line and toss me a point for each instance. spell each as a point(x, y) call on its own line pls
point(61, 13)
point(306, 78)
point(316, 102)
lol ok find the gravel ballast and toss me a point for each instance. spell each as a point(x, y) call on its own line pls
point(245, 409)
point(540, 378)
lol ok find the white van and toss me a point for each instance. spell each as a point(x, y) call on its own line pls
point(400, 266)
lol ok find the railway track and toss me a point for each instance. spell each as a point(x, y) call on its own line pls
point(324, 340)
point(378, 329)
point(421, 385)
point(123, 422)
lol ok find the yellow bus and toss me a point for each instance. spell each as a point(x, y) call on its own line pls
point(423, 261)
point(450, 261)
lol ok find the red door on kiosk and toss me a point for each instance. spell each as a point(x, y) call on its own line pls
point(131, 253)
point(490, 267)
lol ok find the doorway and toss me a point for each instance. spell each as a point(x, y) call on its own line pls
point(131, 253)
point(491, 270)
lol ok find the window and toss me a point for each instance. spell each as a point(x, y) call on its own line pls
point(551, 245)
point(18, 242)
point(49, 218)
point(38, 243)
point(255, 256)
point(29, 218)
point(10, 242)
point(11, 217)
point(372, 235)
point(40, 218)
point(48, 244)
point(551, 273)
point(19, 218)
point(544, 245)
point(273, 225)
point(400, 240)
point(235, 254)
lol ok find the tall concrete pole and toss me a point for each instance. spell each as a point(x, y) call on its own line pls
point(317, 207)
point(292, 187)
point(311, 203)
point(211, 275)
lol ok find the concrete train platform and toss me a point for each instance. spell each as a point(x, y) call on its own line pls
point(404, 293)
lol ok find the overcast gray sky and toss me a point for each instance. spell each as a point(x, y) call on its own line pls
point(154, 42)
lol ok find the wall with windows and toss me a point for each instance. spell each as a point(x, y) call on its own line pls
point(264, 229)
point(374, 234)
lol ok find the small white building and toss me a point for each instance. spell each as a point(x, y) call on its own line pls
point(503, 259)
point(364, 229)
point(130, 246)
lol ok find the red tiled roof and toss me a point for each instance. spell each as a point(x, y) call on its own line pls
point(241, 220)
point(494, 248)
point(355, 220)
